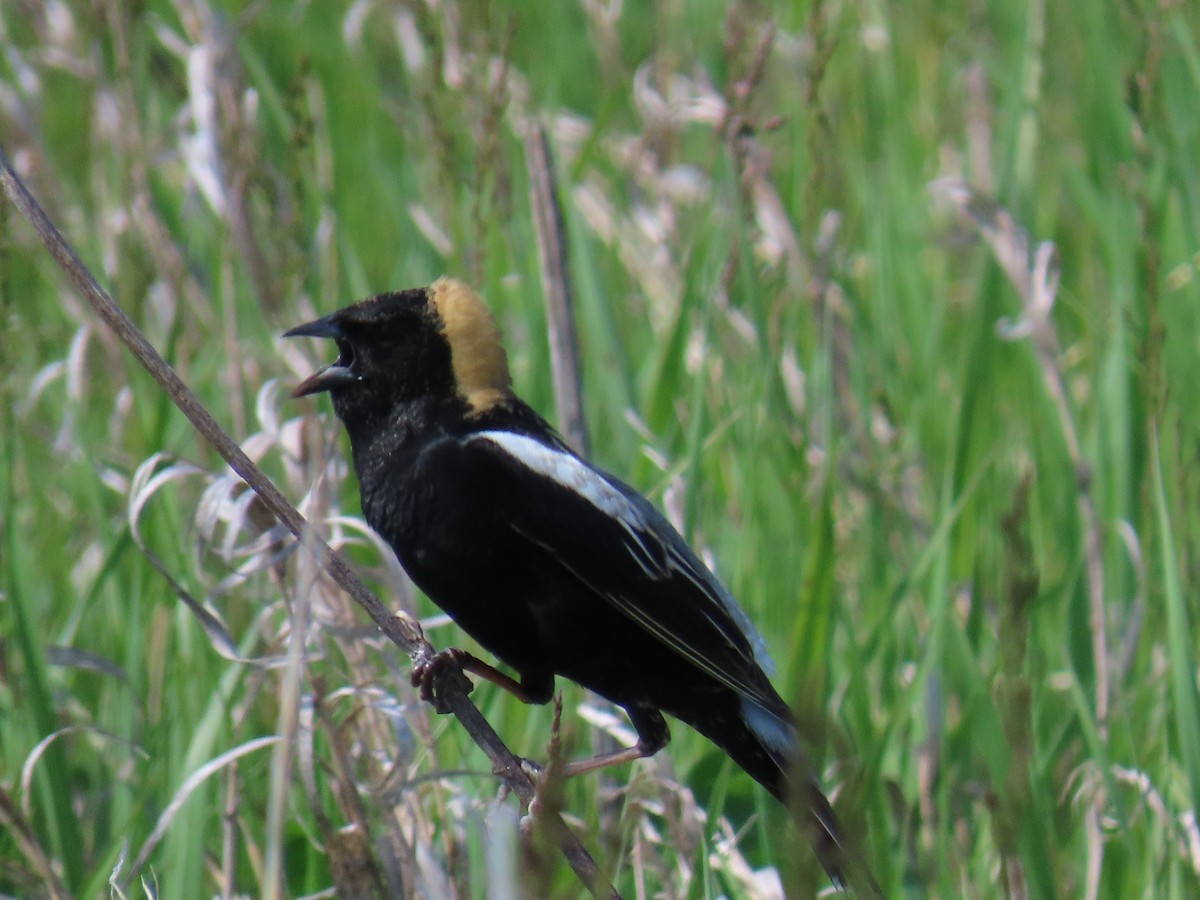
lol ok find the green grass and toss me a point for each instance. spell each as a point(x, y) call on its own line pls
point(830, 409)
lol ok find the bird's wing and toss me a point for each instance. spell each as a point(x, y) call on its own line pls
point(615, 542)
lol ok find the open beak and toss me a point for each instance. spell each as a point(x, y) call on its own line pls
point(335, 375)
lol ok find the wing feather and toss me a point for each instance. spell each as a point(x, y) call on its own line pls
point(614, 541)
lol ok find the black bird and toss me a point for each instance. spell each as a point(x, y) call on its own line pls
point(553, 565)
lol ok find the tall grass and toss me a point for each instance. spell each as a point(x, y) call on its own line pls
point(958, 492)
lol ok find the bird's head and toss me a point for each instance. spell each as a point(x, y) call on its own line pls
point(437, 343)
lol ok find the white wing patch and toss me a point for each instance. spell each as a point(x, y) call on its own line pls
point(567, 470)
point(650, 541)
point(579, 478)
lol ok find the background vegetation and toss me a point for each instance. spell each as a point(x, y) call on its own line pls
point(962, 500)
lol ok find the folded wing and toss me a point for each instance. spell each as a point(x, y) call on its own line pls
point(615, 542)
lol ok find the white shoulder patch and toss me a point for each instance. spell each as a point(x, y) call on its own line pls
point(569, 471)
point(657, 549)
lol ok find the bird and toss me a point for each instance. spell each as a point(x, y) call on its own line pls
point(551, 564)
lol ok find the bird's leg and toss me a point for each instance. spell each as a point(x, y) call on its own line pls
point(653, 735)
point(428, 674)
point(604, 760)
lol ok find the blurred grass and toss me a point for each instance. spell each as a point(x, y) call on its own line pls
point(785, 340)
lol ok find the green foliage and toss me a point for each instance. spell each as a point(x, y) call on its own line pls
point(967, 531)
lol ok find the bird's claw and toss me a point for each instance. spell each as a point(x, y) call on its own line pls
point(432, 676)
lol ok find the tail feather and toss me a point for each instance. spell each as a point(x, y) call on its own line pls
point(765, 745)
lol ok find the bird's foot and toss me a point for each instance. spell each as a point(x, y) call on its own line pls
point(434, 675)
